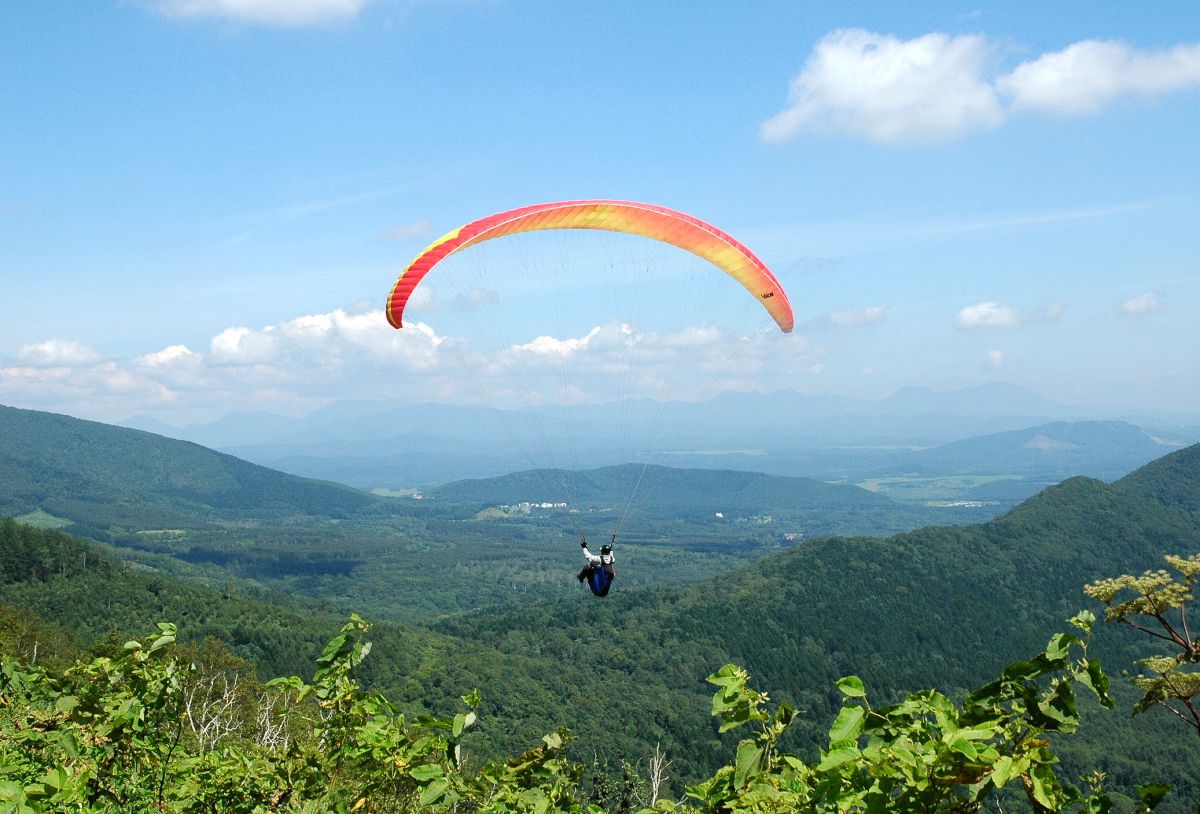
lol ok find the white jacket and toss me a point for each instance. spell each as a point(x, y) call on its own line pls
point(597, 559)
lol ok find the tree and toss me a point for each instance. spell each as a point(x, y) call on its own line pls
point(1156, 605)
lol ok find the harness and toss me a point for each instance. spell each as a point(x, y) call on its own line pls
point(600, 579)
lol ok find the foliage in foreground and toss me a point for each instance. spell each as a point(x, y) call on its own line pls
point(151, 730)
point(1156, 604)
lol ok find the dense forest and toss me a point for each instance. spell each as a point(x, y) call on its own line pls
point(939, 607)
point(185, 510)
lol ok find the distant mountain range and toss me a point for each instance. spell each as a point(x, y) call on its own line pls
point(663, 489)
point(383, 445)
point(96, 479)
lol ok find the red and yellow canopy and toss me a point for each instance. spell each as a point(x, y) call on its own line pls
point(656, 222)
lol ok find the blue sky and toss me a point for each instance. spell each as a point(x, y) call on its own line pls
point(204, 202)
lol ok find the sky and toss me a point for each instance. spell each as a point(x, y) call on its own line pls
point(204, 203)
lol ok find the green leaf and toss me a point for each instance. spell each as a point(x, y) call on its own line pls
point(434, 791)
point(727, 676)
point(848, 725)
point(426, 772)
point(70, 746)
point(1095, 678)
point(746, 762)
point(1059, 646)
point(1042, 781)
point(836, 757)
point(1002, 771)
point(965, 748)
point(66, 703)
point(1084, 620)
point(462, 721)
point(56, 778)
point(852, 687)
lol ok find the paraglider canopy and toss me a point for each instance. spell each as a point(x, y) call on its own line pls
point(647, 220)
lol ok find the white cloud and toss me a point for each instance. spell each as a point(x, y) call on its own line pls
point(241, 346)
point(864, 316)
point(171, 355)
point(1084, 77)
point(288, 13)
point(302, 363)
point(994, 360)
point(549, 346)
point(1147, 303)
point(57, 353)
point(880, 87)
point(937, 87)
point(995, 315)
point(987, 315)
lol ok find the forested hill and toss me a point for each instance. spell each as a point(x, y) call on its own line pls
point(942, 607)
point(99, 476)
point(660, 487)
point(1173, 481)
point(1102, 449)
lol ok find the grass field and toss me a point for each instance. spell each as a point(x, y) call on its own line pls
point(921, 489)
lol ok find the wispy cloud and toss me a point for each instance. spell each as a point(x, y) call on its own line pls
point(57, 353)
point(937, 87)
point(848, 318)
point(285, 214)
point(996, 315)
point(851, 235)
point(1148, 303)
point(286, 13)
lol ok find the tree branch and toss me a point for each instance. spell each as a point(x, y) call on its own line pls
point(1148, 631)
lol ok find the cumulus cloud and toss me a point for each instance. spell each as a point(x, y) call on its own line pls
point(987, 315)
point(937, 87)
point(347, 353)
point(994, 360)
point(287, 13)
point(1147, 303)
point(57, 353)
point(1084, 77)
point(549, 346)
point(886, 89)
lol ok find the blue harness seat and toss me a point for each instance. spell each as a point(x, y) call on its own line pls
point(600, 579)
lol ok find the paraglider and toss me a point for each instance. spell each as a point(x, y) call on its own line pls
point(647, 220)
point(598, 571)
point(640, 219)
